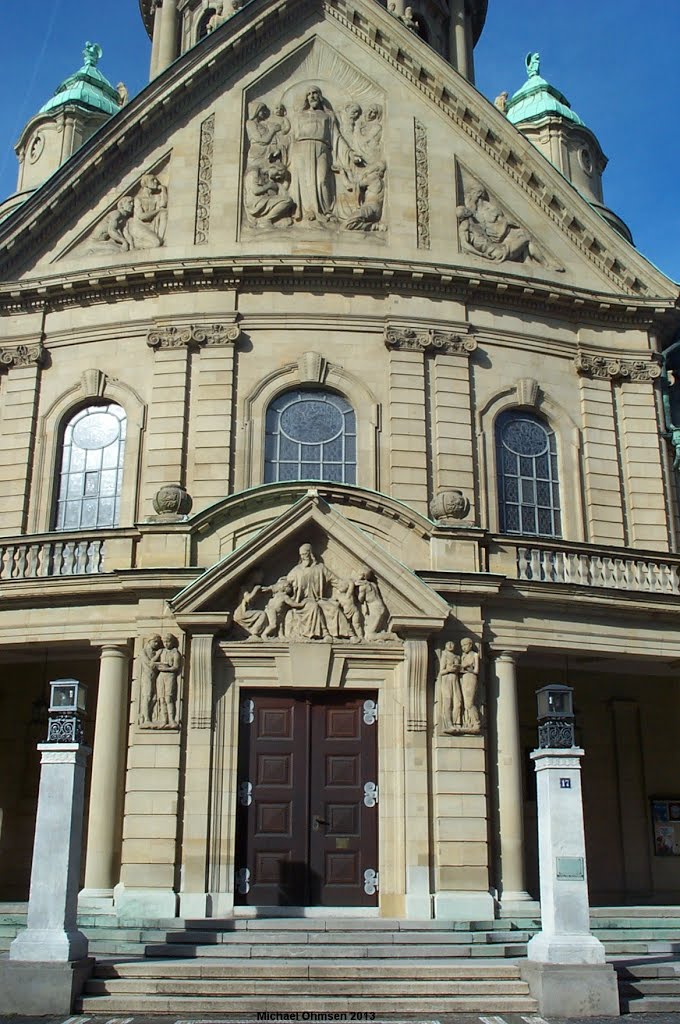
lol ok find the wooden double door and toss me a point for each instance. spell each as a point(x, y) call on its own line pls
point(307, 817)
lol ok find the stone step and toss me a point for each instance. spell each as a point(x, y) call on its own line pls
point(634, 913)
point(313, 969)
point(335, 938)
point(191, 1005)
point(623, 948)
point(369, 987)
point(650, 987)
point(265, 950)
point(652, 1004)
point(636, 934)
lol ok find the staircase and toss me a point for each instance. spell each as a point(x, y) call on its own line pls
point(649, 987)
point(282, 965)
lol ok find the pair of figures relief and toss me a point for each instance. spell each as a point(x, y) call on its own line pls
point(138, 221)
point(310, 165)
point(458, 690)
point(312, 603)
point(160, 667)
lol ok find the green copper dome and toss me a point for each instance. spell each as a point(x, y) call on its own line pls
point(87, 88)
point(538, 98)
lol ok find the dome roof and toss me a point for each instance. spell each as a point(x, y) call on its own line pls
point(87, 88)
point(538, 98)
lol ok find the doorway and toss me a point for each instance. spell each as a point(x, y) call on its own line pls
point(307, 812)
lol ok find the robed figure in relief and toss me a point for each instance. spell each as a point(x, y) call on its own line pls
point(317, 147)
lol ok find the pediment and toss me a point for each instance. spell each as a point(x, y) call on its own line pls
point(434, 123)
point(311, 575)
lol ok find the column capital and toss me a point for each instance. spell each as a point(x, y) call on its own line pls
point(121, 647)
point(22, 355)
point(506, 655)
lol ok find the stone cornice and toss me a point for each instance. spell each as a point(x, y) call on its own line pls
point(193, 336)
point(614, 369)
point(242, 39)
point(408, 339)
point(378, 276)
point(22, 355)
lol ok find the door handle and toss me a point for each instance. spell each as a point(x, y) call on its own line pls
point(317, 822)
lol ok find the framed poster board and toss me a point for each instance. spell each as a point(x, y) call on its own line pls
point(666, 826)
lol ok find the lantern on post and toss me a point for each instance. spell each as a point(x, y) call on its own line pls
point(66, 712)
point(555, 716)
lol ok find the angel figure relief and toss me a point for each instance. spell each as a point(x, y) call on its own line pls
point(458, 695)
point(310, 166)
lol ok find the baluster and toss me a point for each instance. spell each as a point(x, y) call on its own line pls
point(535, 556)
point(10, 573)
point(3, 563)
point(94, 549)
point(58, 560)
point(655, 577)
point(571, 573)
point(558, 560)
point(101, 555)
point(596, 571)
point(80, 553)
point(547, 569)
point(675, 580)
point(20, 567)
point(45, 555)
point(32, 568)
point(522, 563)
point(69, 558)
point(607, 571)
point(631, 577)
point(620, 581)
point(665, 579)
point(645, 576)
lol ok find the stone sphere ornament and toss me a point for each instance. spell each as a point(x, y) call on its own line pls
point(449, 505)
point(172, 500)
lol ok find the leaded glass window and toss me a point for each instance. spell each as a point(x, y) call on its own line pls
point(310, 435)
point(528, 485)
point(91, 469)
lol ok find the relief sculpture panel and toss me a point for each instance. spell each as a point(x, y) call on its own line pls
point(315, 157)
point(311, 602)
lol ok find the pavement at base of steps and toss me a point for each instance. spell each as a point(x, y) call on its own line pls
point(319, 1017)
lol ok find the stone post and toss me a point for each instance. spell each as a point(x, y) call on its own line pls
point(566, 970)
point(51, 933)
point(416, 786)
point(509, 775)
point(108, 764)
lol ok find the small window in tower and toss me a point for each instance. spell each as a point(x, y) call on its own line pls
point(204, 23)
point(528, 485)
point(310, 435)
point(91, 472)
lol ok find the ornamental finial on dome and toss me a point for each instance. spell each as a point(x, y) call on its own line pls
point(533, 64)
point(92, 54)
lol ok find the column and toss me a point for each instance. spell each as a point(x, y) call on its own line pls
point(104, 827)
point(458, 43)
point(509, 780)
point(167, 43)
point(153, 71)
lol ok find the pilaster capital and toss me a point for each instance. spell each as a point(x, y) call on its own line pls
point(194, 336)
point(641, 371)
point(409, 339)
point(22, 355)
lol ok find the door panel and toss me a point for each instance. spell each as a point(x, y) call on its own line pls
point(305, 832)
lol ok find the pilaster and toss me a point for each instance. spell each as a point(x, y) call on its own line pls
point(604, 501)
point(408, 442)
point(642, 470)
point(18, 415)
point(452, 419)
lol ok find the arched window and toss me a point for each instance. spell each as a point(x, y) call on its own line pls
point(310, 435)
point(528, 485)
point(203, 24)
point(89, 486)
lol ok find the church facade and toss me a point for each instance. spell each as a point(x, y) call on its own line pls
point(335, 424)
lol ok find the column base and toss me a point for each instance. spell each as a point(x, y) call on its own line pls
point(565, 949)
point(464, 906)
point(37, 989)
point(45, 945)
point(519, 904)
point(97, 901)
point(206, 904)
point(573, 990)
point(144, 904)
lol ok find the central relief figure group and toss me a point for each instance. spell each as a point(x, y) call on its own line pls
point(312, 603)
point(312, 167)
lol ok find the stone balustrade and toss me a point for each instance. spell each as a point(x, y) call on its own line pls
point(35, 557)
point(548, 564)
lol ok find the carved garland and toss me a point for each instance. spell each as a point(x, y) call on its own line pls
point(422, 187)
point(406, 339)
point(193, 336)
point(22, 355)
point(607, 368)
point(205, 169)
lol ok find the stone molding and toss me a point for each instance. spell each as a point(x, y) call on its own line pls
point(193, 336)
point(407, 339)
point(205, 171)
point(422, 186)
point(22, 355)
point(640, 371)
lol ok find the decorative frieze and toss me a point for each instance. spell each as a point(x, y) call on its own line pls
point(422, 187)
point(205, 171)
point(641, 371)
point(193, 336)
point(22, 355)
point(408, 339)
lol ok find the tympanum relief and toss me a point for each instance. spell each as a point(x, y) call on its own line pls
point(159, 666)
point(312, 602)
point(137, 221)
point(487, 229)
point(459, 698)
point(314, 159)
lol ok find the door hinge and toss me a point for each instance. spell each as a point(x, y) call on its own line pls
point(370, 794)
point(245, 794)
point(370, 712)
point(242, 879)
point(371, 882)
point(247, 711)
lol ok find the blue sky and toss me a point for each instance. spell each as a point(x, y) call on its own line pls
point(616, 60)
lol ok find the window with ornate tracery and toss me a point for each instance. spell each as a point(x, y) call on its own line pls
point(90, 476)
point(310, 435)
point(528, 484)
